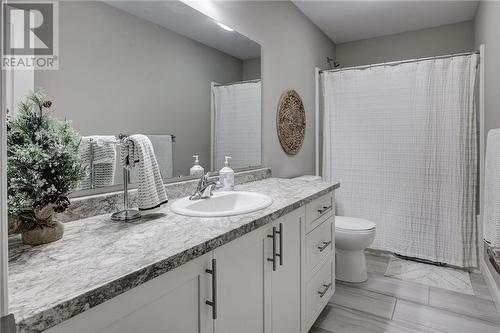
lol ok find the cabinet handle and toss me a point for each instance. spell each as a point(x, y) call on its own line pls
point(323, 292)
point(213, 303)
point(280, 232)
point(324, 209)
point(273, 259)
point(322, 247)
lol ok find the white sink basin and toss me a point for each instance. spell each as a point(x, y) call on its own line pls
point(222, 204)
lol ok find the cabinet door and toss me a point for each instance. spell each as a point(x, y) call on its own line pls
point(286, 280)
point(171, 303)
point(243, 281)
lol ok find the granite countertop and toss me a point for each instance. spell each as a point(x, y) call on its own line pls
point(98, 259)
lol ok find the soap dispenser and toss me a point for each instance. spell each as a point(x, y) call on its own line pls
point(226, 176)
point(197, 169)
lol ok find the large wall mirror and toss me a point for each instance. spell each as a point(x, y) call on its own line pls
point(159, 68)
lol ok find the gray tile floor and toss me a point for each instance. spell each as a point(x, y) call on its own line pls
point(388, 305)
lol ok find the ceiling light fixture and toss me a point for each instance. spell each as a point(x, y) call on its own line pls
point(225, 27)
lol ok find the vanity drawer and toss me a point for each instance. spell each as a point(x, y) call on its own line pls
point(319, 244)
point(319, 290)
point(317, 209)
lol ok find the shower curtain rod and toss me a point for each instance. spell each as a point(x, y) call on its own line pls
point(394, 63)
point(237, 82)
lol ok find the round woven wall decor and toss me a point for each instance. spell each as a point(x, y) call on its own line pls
point(291, 122)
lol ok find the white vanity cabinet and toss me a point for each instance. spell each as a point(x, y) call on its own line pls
point(259, 279)
point(172, 302)
point(275, 279)
point(242, 279)
point(319, 268)
point(286, 279)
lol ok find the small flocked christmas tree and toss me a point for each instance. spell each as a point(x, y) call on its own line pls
point(43, 165)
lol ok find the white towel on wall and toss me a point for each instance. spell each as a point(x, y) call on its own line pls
point(491, 214)
point(137, 152)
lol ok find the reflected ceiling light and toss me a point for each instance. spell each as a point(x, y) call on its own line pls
point(225, 27)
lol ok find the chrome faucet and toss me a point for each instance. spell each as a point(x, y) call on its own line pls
point(204, 189)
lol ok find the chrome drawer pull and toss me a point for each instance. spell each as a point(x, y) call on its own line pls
point(213, 302)
point(321, 248)
point(273, 259)
point(324, 209)
point(280, 232)
point(323, 292)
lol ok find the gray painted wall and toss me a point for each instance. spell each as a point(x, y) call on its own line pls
point(119, 73)
point(487, 31)
point(291, 47)
point(452, 38)
point(251, 69)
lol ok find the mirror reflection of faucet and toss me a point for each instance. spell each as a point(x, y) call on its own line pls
point(205, 188)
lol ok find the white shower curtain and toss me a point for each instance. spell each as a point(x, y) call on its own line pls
point(237, 124)
point(401, 140)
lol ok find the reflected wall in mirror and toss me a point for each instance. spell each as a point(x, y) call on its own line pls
point(158, 68)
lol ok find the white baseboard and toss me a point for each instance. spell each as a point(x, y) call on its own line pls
point(492, 285)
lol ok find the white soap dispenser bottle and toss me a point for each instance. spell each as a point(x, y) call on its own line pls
point(197, 169)
point(226, 176)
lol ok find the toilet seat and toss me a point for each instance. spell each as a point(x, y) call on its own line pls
point(353, 224)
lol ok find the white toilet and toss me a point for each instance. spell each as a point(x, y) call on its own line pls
point(352, 236)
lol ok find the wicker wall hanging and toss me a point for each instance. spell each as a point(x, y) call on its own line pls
point(291, 122)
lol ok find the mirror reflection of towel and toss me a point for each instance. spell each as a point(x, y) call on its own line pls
point(137, 153)
point(163, 148)
point(103, 160)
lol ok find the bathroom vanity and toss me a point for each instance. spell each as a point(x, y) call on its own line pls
point(266, 271)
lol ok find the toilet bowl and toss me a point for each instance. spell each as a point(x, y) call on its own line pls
point(352, 236)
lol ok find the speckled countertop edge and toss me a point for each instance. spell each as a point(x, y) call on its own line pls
point(45, 318)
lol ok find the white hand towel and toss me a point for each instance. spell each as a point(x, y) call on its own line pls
point(491, 214)
point(137, 151)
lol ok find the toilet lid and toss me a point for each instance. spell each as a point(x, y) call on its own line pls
point(353, 223)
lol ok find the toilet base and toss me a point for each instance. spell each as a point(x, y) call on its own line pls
point(350, 266)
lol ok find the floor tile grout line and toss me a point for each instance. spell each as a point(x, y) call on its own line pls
point(420, 285)
point(430, 328)
point(394, 308)
point(360, 311)
point(497, 324)
point(414, 302)
point(402, 321)
point(369, 290)
point(324, 329)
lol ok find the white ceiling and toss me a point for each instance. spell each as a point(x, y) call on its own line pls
point(181, 18)
point(345, 21)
